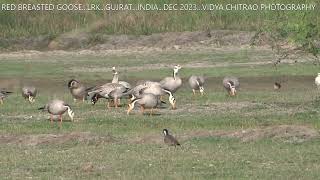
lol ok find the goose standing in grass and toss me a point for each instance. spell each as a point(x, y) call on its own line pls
point(172, 83)
point(149, 101)
point(3, 95)
point(317, 81)
point(116, 79)
point(58, 107)
point(152, 88)
point(197, 83)
point(169, 139)
point(77, 90)
point(29, 92)
point(108, 91)
point(231, 84)
point(146, 101)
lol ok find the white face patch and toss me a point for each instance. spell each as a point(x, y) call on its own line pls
point(31, 99)
point(165, 132)
point(70, 113)
point(201, 89)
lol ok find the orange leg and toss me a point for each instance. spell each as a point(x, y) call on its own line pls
point(115, 101)
point(142, 109)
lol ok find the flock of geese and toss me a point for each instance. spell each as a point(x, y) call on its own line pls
point(146, 94)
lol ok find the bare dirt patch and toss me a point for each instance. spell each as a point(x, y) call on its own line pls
point(43, 139)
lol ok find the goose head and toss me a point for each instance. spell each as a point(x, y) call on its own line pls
point(94, 99)
point(165, 132)
point(73, 84)
point(131, 106)
point(70, 113)
point(172, 100)
point(31, 99)
point(176, 68)
point(232, 88)
point(201, 89)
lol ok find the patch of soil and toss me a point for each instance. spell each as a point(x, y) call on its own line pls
point(38, 139)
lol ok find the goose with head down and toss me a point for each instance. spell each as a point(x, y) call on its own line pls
point(231, 84)
point(29, 93)
point(149, 101)
point(58, 107)
point(108, 91)
point(197, 83)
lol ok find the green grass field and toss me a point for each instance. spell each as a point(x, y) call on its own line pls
point(260, 134)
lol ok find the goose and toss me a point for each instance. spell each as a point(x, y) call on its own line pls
point(29, 92)
point(197, 83)
point(172, 83)
point(146, 101)
point(77, 90)
point(172, 99)
point(231, 84)
point(152, 88)
point(58, 107)
point(149, 101)
point(169, 139)
point(4, 94)
point(116, 79)
point(108, 91)
point(317, 81)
